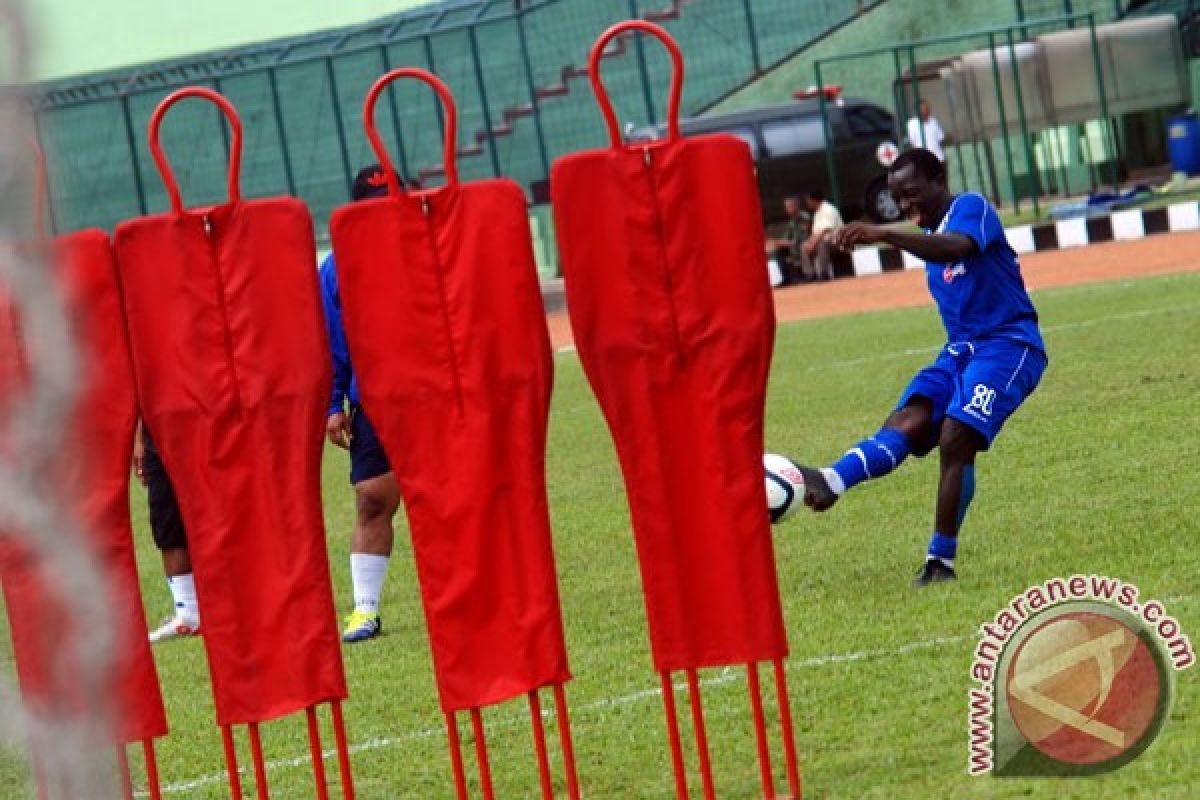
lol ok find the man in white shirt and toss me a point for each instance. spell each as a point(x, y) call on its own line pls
point(817, 250)
point(934, 135)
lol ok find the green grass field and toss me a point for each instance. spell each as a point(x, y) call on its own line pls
point(1097, 473)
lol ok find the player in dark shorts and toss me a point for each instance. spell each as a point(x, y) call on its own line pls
point(992, 361)
point(166, 526)
point(377, 494)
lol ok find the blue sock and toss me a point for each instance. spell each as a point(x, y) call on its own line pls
point(967, 493)
point(943, 548)
point(873, 457)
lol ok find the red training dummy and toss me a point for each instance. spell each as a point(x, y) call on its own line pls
point(661, 246)
point(448, 338)
point(233, 374)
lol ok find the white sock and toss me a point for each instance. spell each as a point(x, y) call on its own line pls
point(367, 572)
point(836, 484)
point(183, 589)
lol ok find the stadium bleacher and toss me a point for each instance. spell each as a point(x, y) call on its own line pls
point(517, 68)
point(518, 76)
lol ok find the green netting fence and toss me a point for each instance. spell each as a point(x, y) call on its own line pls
point(516, 69)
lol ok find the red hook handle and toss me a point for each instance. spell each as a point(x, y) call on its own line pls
point(449, 161)
point(160, 158)
point(610, 117)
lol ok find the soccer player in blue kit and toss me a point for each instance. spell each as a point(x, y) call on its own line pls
point(993, 358)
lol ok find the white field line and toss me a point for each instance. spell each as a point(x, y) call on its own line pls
point(1066, 326)
point(916, 351)
point(725, 676)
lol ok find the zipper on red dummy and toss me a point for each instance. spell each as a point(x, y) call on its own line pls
point(227, 335)
point(445, 302)
point(660, 238)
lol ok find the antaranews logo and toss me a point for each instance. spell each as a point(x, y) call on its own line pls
point(1074, 677)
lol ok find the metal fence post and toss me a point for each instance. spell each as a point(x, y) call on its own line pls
point(1030, 161)
point(1012, 178)
point(1108, 135)
point(988, 183)
point(638, 47)
point(830, 166)
point(983, 184)
point(41, 144)
point(221, 119)
point(963, 171)
point(483, 101)
point(912, 74)
point(1021, 18)
point(901, 93)
point(283, 139)
point(391, 98)
point(962, 165)
point(131, 139)
point(339, 126)
point(523, 41)
point(432, 65)
point(752, 33)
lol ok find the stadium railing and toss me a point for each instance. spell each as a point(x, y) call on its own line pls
point(516, 67)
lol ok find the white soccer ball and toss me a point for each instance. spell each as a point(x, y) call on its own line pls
point(784, 483)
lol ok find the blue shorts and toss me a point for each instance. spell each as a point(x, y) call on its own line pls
point(367, 459)
point(980, 384)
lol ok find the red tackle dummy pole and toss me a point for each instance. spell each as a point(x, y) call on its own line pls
point(99, 443)
point(447, 334)
point(661, 246)
point(228, 342)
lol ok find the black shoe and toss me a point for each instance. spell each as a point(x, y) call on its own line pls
point(817, 494)
point(933, 571)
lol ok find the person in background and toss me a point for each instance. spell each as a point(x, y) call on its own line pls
point(377, 493)
point(166, 526)
point(787, 251)
point(934, 136)
point(817, 250)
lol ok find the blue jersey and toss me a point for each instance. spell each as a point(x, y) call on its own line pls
point(983, 296)
point(345, 385)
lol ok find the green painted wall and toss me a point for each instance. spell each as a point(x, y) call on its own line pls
point(73, 37)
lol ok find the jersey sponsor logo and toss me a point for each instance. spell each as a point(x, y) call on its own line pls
point(950, 273)
point(981, 402)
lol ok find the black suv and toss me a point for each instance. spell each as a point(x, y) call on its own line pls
point(788, 145)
